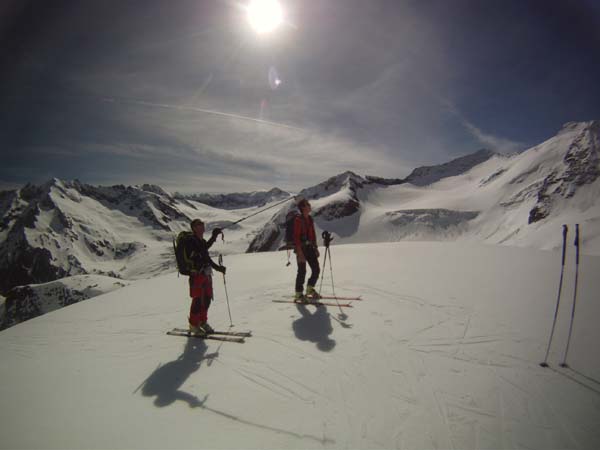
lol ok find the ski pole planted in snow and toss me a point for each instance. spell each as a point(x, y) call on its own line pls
point(327, 238)
point(560, 283)
point(576, 243)
point(226, 295)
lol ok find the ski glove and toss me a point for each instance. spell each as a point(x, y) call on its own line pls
point(216, 232)
point(221, 269)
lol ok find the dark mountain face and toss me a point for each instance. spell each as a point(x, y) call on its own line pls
point(581, 166)
point(39, 236)
point(64, 228)
point(272, 235)
point(236, 200)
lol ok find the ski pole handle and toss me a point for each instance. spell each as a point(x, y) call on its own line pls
point(565, 231)
point(576, 243)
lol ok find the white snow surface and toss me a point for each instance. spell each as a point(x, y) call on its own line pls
point(442, 352)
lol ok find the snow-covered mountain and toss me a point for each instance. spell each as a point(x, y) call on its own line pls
point(69, 228)
point(339, 202)
point(29, 301)
point(63, 229)
point(521, 199)
point(236, 200)
point(422, 176)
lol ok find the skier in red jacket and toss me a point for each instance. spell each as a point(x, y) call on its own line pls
point(307, 251)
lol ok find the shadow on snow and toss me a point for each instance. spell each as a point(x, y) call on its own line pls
point(166, 381)
point(314, 327)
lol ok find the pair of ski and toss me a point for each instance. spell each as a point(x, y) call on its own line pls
point(319, 301)
point(225, 336)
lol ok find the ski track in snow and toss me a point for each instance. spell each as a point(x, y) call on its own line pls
point(432, 397)
point(449, 368)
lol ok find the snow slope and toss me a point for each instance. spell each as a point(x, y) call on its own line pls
point(443, 353)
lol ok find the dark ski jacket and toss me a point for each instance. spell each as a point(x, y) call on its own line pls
point(196, 252)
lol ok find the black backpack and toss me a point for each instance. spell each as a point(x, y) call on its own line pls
point(179, 244)
point(290, 218)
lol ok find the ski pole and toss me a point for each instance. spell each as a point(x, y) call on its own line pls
point(258, 212)
point(560, 283)
point(324, 262)
point(331, 272)
point(226, 295)
point(576, 243)
point(326, 235)
point(252, 215)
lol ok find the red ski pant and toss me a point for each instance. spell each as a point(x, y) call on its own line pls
point(201, 293)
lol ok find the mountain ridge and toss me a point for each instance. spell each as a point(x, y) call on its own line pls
point(64, 229)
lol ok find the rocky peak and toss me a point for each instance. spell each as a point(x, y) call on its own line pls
point(580, 166)
point(236, 200)
point(592, 126)
point(272, 234)
point(153, 189)
point(425, 175)
point(47, 231)
point(346, 180)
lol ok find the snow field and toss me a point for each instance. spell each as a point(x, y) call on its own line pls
point(443, 352)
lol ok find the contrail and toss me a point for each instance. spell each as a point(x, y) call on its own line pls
point(205, 111)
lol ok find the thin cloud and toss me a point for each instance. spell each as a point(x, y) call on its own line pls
point(499, 144)
point(489, 141)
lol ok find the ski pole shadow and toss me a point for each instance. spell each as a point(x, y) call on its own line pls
point(585, 382)
point(314, 327)
point(166, 381)
point(341, 319)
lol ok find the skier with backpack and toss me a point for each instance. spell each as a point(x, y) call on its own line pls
point(304, 242)
point(191, 251)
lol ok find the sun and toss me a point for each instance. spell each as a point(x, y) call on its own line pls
point(264, 15)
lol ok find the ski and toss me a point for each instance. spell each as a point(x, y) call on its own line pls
point(334, 297)
point(239, 340)
point(220, 333)
point(344, 305)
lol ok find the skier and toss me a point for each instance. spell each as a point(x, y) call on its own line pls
point(306, 249)
point(196, 252)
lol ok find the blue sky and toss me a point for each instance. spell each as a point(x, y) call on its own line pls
point(177, 93)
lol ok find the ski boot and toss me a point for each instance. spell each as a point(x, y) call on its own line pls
point(312, 294)
point(299, 297)
point(206, 328)
point(197, 330)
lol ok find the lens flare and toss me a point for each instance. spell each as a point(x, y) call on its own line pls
point(274, 78)
point(264, 15)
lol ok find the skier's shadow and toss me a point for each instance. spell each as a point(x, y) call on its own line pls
point(314, 327)
point(166, 381)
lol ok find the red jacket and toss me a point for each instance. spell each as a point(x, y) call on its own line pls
point(304, 231)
